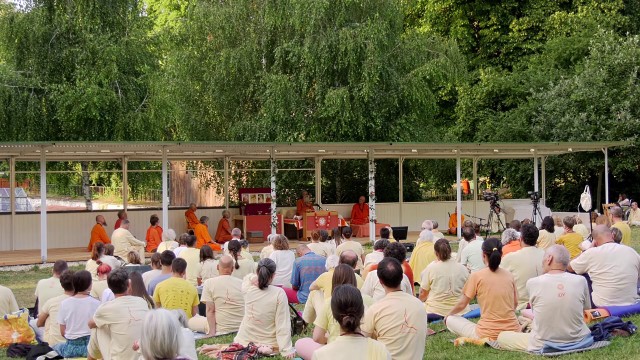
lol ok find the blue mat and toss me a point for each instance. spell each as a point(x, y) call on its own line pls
point(622, 311)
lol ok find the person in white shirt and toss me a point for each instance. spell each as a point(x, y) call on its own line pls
point(224, 299)
point(614, 270)
point(375, 256)
point(348, 244)
point(634, 215)
point(168, 241)
point(284, 259)
point(156, 267)
point(48, 314)
point(124, 241)
point(558, 300)
point(374, 288)
point(471, 255)
point(182, 244)
point(50, 287)
point(236, 234)
point(267, 250)
point(436, 233)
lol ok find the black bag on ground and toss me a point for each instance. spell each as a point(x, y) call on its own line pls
point(298, 325)
point(610, 326)
point(18, 350)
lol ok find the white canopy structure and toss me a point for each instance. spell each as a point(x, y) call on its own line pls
point(227, 151)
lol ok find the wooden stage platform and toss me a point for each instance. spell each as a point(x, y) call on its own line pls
point(32, 257)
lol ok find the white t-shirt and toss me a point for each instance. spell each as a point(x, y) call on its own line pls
point(284, 260)
point(354, 246)
point(523, 264)
point(178, 250)
point(225, 292)
point(373, 258)
point(120, 323)
point(472, 256)
point(48, 289)
point(373, 288)
point(75, 314)
point(150, 275)
point(614, 270)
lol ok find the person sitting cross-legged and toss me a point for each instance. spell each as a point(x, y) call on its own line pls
point(372, 285)
point(48, 314)
point(423, 254)
point(373, 258)
point(558, 299)
point(306, 269)
point(224, 299)
point(348, 244)
point(570, 239)
point(192, 256)
point(176, 292)
point(497, 296)
point(243, 264)
point(166, 258)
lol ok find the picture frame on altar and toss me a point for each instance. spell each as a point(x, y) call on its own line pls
point(267, 198)
point(253, 198)
point(260, 198)
point(245, 198)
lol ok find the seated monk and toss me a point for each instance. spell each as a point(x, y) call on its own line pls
point(303, 204)
point(192, 219)
point(223, 234)
point(201, 232)
point(154, 234)
point(453, 222)
point(98, 233)
point(360, 212)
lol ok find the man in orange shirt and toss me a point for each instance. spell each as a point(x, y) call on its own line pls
point(360, 212)
point(192, 219)
point(98, 233)
point(303, 204)
point(122, 215)
point(201, 231)
point(154, 234)
point(223, 234)
point(453, 222)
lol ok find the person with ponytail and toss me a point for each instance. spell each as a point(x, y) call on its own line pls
point(348, 310)
point(266, 317)
point(99, 253)
point(496, 292)
point(98, 287)
point(242, 266)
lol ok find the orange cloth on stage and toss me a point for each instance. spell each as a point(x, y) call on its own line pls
point(192, 219)
point(98, 233)
point(302, 207)
point(223, 234)
point(154, 238)
point(360, 214)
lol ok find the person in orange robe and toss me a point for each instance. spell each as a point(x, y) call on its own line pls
point(154, 234)
point(453, 222)
point(201, 231)
point(223, 234)
point(98, 233)
point(360, 212)
point(122, 215)
point(303, 204)
point(192, 219)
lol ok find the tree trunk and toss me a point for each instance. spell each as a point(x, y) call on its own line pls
point(86, 186)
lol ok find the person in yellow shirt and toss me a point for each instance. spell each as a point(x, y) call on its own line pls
point(176, 292)
point(571, 240)
point(616, 218)
point(423, 254)
point(48, 314)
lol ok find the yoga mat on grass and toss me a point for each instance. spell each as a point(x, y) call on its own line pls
point(596, 345)
point(622, 311)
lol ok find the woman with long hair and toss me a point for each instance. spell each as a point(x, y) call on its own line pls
point(242, 266)
point(138, 289)
point(284, 259)
point(495, 290)
point(266, 317)
point(208, 265)
point(547, 235)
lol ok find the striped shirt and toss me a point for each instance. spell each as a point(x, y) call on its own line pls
point(306, 270)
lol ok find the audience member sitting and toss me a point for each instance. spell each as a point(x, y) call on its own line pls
point(349, 244)
point(99, 253)
point(471, 255)
point(603, 220)
point(331, 242)
point(133, 258)
point(386, 233)
point(374, 288)
point(547, 235)
point(374, 257)
point(138, 289)
point(580, 228)
point(50, 287)
point(558, 300)
point(123, 241)
point(442, 282)
point(423, 254)
point(306, 269)
point(74, 315)
point(48, 314)
point(634, 215)
point(154, 234)
point(515, 225)
point(617, 236)
point(242, 265)
point(558, 225)
point(267, 250)
point(613, 268)
point(98, 287)
point(245, 249)
point(266, 317)
point(182, 244)
point(398, 320)
point(118, 322)
point(224, 300)
point(496, 293)
point(347, 309)
point(318, 248)
point(510, 241)
point(526, 263)
point(236, 234)
point(617, 219)
point(166, 259)
point(208, 265)
point(156, 268)
point(321, 288)
point(192, 256)
point(570, 239)
point(436, 233)
point(176, 292)
point(168, 241)
point(284, 259)
point(162, 336)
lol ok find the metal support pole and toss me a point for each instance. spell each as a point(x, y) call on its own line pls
point(400, 187)
point(165, 189)
point(226, 183)
point(543, 198)
point(372, 196)
point(12, 199)
point(458, 198)
point(274, 213)
point(43, 205)
point(535, 173)
point(318, 176)
point(475, 186)
point(606, 175)
point(125, 184)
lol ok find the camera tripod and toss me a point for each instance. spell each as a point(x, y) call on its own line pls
point(494, 212)
point(535, 213)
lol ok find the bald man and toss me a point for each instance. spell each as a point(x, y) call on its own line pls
point(98, 232)
point(614, 269)
point(224, 299)
point(306, 269)
point(558, 299)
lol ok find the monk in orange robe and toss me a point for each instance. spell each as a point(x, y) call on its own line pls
point(98, 233)
point(303, 204)
point(360, 212)
point(453, 222)
point(154, 234)
point(201, 231)
point(223, 234)
point(192, 219)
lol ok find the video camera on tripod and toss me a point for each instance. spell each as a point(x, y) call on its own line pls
point(534, 195)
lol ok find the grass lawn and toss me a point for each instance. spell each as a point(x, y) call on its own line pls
point(438, 346)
